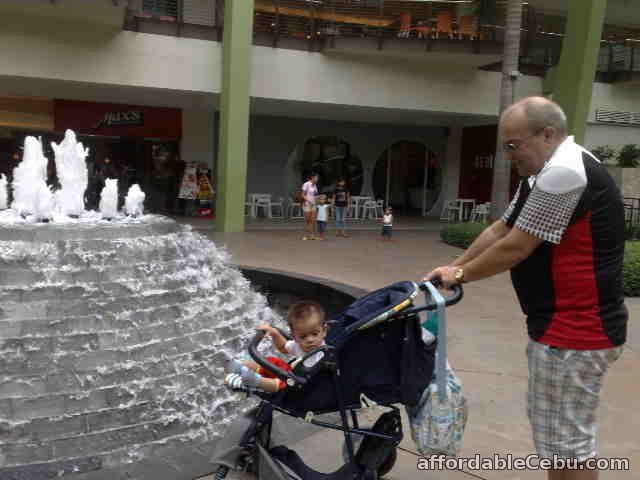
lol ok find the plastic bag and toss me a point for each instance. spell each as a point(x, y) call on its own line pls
point(437, 426)
point(439, 419)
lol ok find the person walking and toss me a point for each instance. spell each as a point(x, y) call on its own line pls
point(309, 192)
point(562, 237)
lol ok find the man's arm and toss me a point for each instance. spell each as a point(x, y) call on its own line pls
point(499, 257)
point(489, 236)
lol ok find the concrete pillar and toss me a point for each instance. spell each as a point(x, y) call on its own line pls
point(234, 115)
point(574, 76)
point(451, 176)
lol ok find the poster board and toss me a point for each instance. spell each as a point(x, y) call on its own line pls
point(189, 187)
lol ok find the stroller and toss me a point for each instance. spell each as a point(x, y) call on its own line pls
point(374, 348)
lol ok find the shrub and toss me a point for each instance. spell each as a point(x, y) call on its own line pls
point(461, 234)
point(628, 156)
point(604, 153)
point(631, 269)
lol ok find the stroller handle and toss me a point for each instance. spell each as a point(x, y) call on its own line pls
point(288, 377)
point(449, 300)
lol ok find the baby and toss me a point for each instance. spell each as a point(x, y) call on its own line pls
point(307, 324)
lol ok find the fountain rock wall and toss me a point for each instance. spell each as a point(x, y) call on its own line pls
point(113, 341)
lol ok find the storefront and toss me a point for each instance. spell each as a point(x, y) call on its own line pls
point(134, 144)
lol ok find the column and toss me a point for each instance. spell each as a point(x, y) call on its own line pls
point(234, 115)
point(575, 74)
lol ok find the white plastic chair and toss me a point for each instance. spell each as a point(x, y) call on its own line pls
point(380, 208)
point(295, 210)
point(263, 202)
point(279, 207)
point(370, 209)
point(451, 211)
point(480, 212)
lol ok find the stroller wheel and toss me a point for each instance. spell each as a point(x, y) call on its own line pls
point(388, 463)
point(384, 468)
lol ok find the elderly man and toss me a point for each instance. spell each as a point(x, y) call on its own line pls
point(562, 236)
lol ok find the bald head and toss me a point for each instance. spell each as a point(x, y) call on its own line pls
point(538, 113)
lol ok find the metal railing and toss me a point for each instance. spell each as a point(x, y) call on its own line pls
point(192, 12)
point(315, 24)
point(631, 212)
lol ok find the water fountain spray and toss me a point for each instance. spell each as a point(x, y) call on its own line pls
point(71, 168)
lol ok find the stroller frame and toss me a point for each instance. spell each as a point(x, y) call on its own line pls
point(249, 449)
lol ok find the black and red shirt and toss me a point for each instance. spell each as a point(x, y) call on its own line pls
point(570, 287)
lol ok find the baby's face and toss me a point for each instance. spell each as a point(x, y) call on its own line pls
point(309, 333)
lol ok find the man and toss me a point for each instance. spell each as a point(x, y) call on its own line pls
point(563, 239)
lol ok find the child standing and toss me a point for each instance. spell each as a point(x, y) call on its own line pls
point(387, 224)
point(322, 215)
point(307, 324)
point(341, 199)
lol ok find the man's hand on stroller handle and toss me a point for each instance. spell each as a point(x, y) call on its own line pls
point(445, 275)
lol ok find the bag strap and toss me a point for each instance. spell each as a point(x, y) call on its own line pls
point(441, 348)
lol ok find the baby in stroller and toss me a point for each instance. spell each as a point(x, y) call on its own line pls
point(308, 327)
point(373, 351)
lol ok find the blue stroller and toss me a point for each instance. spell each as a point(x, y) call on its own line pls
point(374, 348)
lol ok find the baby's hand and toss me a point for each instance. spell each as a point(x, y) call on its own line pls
point(265, 327)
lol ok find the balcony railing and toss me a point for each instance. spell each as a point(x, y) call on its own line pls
point(319, 24)
point(193, 18)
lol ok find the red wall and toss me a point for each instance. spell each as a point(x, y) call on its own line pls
point(476, 178)
point(85, 117)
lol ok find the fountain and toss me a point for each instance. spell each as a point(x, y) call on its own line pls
point(134, 200)
point(113, 333)
point(4, 195)
point(72, 174)
point(109, 199)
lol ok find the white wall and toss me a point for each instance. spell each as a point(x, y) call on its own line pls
point(613, 135)
point(621, 97)
point(198, 136)
point(35, 48)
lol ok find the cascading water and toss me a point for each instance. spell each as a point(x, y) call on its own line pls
point(30, 190)
point(134, 200)
point(109, 198)
point(114, 336)
point(72, 174)
point(4, 194)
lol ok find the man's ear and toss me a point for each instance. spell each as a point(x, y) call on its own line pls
point(549, 134)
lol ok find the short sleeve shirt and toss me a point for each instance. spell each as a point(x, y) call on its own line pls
point(550, 197)
point(309, 190)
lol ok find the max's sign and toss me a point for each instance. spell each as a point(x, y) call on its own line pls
point(116, 119)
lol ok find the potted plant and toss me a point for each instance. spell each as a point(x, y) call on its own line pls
point(604, 153)
point(628, 156)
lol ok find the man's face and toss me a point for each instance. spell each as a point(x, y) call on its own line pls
point(527, 150)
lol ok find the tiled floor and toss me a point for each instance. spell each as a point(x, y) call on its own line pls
point(487, 342)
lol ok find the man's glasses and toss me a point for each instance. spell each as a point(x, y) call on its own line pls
point(514, 145)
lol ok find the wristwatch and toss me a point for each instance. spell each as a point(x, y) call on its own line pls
point(459, 275)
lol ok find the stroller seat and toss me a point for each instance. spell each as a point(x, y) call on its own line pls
point(364, 355)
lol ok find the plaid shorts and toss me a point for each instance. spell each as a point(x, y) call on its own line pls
point(564, 390)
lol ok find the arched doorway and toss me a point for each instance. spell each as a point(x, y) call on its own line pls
point(408, 176)
point(331, 158)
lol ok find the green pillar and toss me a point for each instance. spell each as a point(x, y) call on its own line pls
point(234, 115)
point(575, 74)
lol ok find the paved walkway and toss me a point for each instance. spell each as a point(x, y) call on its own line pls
point(487, 343)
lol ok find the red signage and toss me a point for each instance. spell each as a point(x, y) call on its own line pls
point(117, 120)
